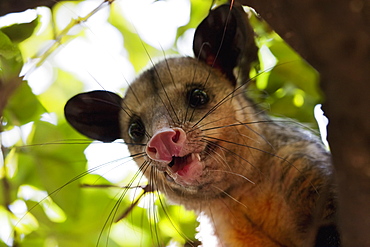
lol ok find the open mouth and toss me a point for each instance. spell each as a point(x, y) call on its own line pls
point(179, 164)
point(185, 169)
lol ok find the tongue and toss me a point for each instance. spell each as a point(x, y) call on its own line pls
point(180, 165)
point(186, 169)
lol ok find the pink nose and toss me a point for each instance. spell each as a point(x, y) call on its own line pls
point(165, 144)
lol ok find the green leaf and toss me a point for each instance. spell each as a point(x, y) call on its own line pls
point(19, 32)
point(10, 59)
point(7, 49)
point(23, 107)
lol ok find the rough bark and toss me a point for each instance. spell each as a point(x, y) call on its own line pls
point(334, 36)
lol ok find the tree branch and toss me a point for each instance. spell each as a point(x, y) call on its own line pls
point(335, 38)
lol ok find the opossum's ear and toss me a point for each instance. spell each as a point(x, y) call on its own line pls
point(95, 114)
point(225, 38)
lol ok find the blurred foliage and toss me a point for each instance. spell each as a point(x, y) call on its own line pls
point(42, 202)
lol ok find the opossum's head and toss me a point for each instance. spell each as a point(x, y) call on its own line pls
point(181, 119)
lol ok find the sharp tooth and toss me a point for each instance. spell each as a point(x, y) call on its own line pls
point(196, 156)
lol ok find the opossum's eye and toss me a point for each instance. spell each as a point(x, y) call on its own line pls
point(136, 130)
point(197, 97)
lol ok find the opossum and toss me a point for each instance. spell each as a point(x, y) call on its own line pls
point(201, 141)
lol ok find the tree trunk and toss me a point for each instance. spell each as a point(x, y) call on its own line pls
point(334, 37)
